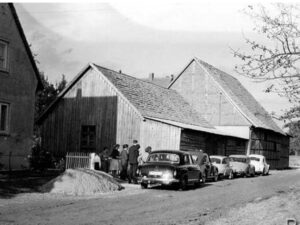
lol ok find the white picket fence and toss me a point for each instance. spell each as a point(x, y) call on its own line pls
point(77, 160)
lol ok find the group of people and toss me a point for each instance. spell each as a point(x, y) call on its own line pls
point(124, 162)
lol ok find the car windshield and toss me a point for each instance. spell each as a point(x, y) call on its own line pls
point(163, 157)
point(215, 160)
point(254, 159)
point(237, 159)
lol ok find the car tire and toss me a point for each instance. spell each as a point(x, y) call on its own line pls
point(263, 172)
point(144, 186)
point(183, 183)
point(231, 175)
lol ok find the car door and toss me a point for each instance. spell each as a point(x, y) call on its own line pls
point(191, 168)
point(194, 168)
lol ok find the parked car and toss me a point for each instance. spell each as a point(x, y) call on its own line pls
point(222, 163)
point(170, 167)
point(241, 166)
point(208, 170)
point(260, 164)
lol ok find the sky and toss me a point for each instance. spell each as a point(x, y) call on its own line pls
point(141, 37)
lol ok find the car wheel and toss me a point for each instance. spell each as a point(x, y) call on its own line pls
point(144, 186)
point(183, 183)
point(263, 172)
point(230, 175)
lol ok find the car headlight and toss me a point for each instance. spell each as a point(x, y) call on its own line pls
point(167, 175)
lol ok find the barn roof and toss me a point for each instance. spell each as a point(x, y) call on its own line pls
point(245, 102)
point(154, 101)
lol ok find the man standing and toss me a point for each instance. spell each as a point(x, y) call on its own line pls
point(133, 161)
point(124, 162)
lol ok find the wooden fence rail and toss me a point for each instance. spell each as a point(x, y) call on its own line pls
point(77, 160)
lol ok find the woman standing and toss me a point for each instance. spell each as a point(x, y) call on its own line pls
point(114, 164)
point(124, 162)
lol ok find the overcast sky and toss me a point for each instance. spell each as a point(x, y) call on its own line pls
point(140, 37)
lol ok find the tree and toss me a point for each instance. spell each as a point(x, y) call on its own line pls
point(48, 94)
point(277, 58)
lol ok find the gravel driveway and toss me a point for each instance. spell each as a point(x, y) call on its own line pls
point(151, 206)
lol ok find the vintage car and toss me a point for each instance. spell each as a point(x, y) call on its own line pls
point(241, 166)
point(222, 163)
point(208, 170)
point(169, 167)
point(260, 164)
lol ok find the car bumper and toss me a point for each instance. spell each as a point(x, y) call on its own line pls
point(159, 181)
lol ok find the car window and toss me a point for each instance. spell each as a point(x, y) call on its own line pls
point(254, 158)
point(192, 160)
point(163, 157)
point(236, 159)
point(215, 160)
point(186, 159)
point(225, 161)
point(195, 158)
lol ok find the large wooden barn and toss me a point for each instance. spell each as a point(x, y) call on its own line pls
point(227, 105)
point(101, 107)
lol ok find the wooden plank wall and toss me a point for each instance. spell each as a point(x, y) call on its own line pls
point(128, 123)
point(236, 146)
point(274, 146)
point(159, 135)
point(85, 104)
point(211, 143)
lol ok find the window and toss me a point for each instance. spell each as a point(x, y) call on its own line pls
point(88, 138)
point(3, 55)
point(4, 111)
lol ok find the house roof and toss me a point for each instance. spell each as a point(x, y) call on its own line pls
point(245, 102)
point(29, 53)
point(154, 101)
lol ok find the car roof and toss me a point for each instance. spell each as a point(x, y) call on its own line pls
point(218, 156)
point(169, 151)
point(240, 156)
point(256, 155)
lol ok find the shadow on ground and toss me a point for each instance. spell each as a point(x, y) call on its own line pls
point(24, 182)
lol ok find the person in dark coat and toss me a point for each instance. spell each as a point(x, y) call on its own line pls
point(124, 162)
point(105, 160)
point(114, 163)
point(133, 155)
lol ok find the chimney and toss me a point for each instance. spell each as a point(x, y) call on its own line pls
point(151, 76)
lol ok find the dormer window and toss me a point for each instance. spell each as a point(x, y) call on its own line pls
point(3, 55)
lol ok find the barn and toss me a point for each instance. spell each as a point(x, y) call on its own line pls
point(223, 101)
point(101, 107)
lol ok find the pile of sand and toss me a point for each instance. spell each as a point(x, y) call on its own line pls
point(81, 182)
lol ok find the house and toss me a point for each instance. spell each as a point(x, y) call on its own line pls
point(228, 106)
point(101, 107)
point(19, 82)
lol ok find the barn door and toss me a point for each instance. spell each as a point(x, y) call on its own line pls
point(88, 138)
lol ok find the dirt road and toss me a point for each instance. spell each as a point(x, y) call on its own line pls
point(152, 206)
